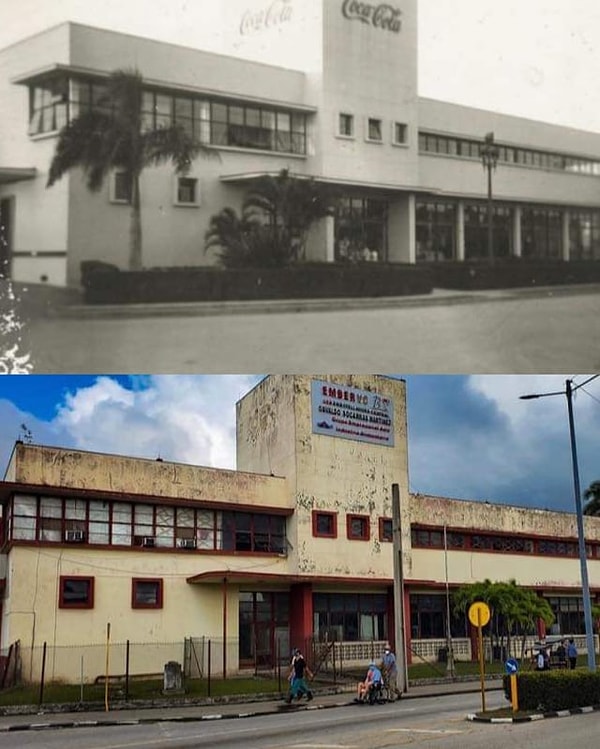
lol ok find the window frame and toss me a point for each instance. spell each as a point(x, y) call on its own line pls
point(404, 126)
point(327, 513)
point(114, 198)
point(382, 534)
point(373, 120)
point(350, 119)
point(365, 519)
point(177, 201)
point(87, 604)
point(135, 604)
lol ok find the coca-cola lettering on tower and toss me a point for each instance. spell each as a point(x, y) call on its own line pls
point(274, 14)
point(382, 16)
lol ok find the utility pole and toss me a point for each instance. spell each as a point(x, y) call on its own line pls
point(401, 656)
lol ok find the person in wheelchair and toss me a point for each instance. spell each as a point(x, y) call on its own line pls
point(370, 690)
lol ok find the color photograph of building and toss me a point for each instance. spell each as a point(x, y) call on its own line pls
point(294, 547)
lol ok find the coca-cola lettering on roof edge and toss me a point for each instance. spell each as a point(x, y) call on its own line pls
point(382, 16)
point(275, 14)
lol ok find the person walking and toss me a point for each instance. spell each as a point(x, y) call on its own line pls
point(298, 686)
point(389, 668)
point(572, 653)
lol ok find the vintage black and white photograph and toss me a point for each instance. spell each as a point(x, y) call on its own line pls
point(260, 185)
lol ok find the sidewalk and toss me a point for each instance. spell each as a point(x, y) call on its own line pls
point(39, 302)
point(46, 719)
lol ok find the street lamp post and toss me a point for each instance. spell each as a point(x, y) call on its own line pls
point(489, 159)
point(585, 586)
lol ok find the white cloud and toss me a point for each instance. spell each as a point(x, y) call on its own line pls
point(189, 419)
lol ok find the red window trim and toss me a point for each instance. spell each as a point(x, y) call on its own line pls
point(159, 602)
point(315, 532)
point(89, 604)
point(353, 516)
point(381, 538)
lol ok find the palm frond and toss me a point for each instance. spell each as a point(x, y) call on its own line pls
point(172, 144)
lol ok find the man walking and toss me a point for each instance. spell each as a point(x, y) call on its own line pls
point(298, 685)
point(390, 673)
point(572, 653)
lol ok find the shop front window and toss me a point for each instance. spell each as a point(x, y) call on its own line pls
point(436, 231)
point(361, 230)
point(541, 232)
point(476, 231)
point(584, 235)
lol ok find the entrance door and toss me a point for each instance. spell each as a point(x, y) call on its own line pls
point(263, 620)
point(6, 214)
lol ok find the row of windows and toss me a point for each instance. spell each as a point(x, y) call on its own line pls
point(358, 527)
point(471, 149)
point(78, 593)
point(186, 190)
point(50, 519)
point(373, 129)
point(434, 538)
point(58, 100)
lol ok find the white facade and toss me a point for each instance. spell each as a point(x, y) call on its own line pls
point(409, 168)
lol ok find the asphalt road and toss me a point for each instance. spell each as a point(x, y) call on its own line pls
point(422, 723)
point(551, 333)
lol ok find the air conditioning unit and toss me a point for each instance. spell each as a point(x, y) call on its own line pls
point(186, 543)
point(74, 536)
point(147, 541)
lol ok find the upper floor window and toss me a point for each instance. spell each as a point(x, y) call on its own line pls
point(386, 529)
point(48, 105)
point(187, 191)
point(324, 524)
point(374, 129)
point(400, 134)
point(357, 527)
point(346, 125)
point(121, 188)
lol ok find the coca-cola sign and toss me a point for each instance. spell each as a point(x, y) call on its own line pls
point(276, 13)
point(382, 16)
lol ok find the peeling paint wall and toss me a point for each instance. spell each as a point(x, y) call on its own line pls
point(85, 470)
point(327, 473)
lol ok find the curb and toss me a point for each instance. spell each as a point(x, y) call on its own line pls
point(536, 716)
point(41, 726)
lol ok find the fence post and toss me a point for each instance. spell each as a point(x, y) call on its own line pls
point(81, 679)
point(333, 662)
point(127, 670)
point(41, 697)
point(209, 669)
point(106, 675)
point(279, 664)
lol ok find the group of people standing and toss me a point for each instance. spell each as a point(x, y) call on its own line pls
point(566, 656)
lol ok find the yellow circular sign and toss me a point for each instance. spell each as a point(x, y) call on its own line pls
point(479, 614)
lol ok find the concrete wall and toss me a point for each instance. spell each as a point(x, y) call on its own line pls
point(84, 470)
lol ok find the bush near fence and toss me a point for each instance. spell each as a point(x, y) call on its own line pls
point(106, 284)
point(509, 273)
point(556, 690)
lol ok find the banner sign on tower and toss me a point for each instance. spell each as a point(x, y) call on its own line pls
point(351, 413)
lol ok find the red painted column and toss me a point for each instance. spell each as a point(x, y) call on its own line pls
point(541, 629)
point(474, 642)
point(301, 615)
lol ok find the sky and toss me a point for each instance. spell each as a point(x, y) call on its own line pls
point(469, 437)
point(532, 58)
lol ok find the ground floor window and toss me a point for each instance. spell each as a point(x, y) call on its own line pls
point(541, 232)
point(584, 235)
point(350, 616)
point(263, 627)
point(569, 614)
point(436, 230)
point(476, 231)
point(428, 617)
point(361, 229)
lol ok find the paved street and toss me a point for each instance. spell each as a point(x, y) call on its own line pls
point(551, 331)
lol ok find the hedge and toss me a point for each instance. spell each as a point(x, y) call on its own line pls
point(513, 272)
point(106, 284)
point(556, 690)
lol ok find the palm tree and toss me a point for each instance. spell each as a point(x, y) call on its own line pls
point(592, 497)
point(290, 205)
point(112, 135)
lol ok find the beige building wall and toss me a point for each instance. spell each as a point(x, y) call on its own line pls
point(343, 476)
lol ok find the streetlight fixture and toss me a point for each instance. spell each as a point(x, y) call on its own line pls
point(585, 586)
point(489, 158)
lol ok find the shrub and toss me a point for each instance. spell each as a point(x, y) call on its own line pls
point(556, 690)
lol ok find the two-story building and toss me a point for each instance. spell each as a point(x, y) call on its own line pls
point(294, 547)
point(408, 169)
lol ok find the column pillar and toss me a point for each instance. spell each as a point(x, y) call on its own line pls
point(402, 230)
point(460, 231)
point(301, 616)
point(517, 245)
point(566, 239)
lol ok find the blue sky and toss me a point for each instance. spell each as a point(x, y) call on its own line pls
point(470, 437)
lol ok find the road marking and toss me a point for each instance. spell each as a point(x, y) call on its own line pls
point(420, 730)
point(321, 746)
